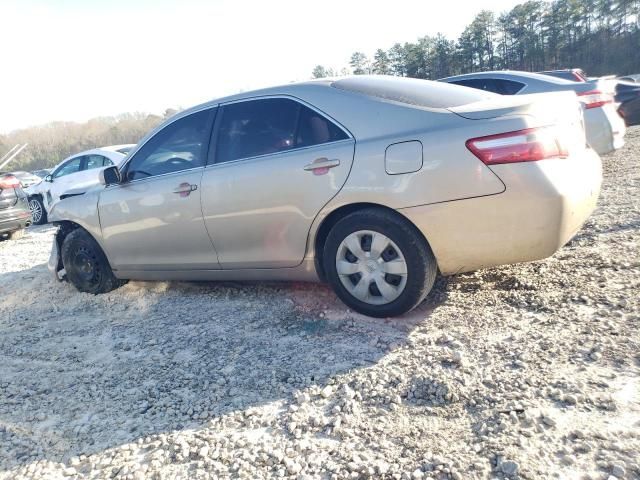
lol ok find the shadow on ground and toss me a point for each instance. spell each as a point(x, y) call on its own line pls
point(83, 373)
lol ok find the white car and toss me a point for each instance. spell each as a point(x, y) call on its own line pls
point(604, 127)
point(80, 170)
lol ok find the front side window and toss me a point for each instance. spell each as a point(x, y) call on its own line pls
point(181, 145)
point(72, 166)
point(271, 125)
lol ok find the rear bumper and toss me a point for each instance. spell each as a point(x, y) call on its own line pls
point(14, 219)
point(545, 203)
point(604, 128)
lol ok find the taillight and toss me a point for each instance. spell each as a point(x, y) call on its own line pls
point(527, 145)
point(9, 181)
point(595, 98)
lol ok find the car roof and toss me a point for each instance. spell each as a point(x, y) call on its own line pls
point(511, 75)
point(117, 148)
point(371, 85)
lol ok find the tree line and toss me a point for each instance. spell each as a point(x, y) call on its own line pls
point(600, 36)
point(53, 142)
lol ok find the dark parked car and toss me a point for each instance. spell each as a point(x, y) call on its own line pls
point(628, 96)
point(15, 215)
point(573, 74)
point(627, 92)
point(630, 78)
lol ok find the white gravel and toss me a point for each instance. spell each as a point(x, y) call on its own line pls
point(529, 371)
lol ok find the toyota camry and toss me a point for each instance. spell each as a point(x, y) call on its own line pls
point(373, 184)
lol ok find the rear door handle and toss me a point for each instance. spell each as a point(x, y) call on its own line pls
point(184, 189)
point(321, 165)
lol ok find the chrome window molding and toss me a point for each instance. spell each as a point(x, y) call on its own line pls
point(153, 177)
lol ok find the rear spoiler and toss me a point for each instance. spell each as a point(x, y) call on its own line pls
point(545, 105)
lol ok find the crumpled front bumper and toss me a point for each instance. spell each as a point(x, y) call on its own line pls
point(55, 260)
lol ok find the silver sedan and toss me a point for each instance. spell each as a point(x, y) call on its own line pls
point(371, 183)
point(605, 128)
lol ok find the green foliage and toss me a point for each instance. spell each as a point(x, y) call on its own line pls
point(359, 63)
point(51, 143)
point(321, 72)
point(600, 36)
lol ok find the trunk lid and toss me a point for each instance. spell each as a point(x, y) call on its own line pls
point(8, 197)
point(560, 110)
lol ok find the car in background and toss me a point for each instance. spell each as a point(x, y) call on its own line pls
point(627, 91)
point(27, 179)
point(630, 78)
point(604, 126)
point(15, 214)
point(628, 96)
point(373, 183)
point(80, 170)
point(42, 172)
point(572, 74)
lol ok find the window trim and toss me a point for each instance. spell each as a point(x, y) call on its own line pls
point(211, 158)
point(213, 116)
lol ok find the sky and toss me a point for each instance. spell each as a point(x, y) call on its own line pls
point(78, 59)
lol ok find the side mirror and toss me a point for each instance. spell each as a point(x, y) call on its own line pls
point(110, 176)
point(48, 178)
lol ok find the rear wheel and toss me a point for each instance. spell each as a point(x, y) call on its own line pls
point(86, 265)
point(38, 213)
point(378, 264)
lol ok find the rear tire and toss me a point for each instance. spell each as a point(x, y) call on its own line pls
point(38, 212)
point(392, 270)
point(16, 235)
point(86, 265)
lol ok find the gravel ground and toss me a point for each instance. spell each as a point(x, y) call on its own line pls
point(528, 371)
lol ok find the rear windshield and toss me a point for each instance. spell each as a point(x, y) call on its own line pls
point(422, 93)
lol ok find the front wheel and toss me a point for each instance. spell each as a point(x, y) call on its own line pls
point(38, 213)
point(86, 265)
point(378, 263)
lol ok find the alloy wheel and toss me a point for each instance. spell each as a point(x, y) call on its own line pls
point(36, 210)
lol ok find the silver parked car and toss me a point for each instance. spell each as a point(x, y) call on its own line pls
point(604, 127)
point(372, 183)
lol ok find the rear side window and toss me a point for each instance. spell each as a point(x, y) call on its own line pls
point(259, 127)
point(96, 161)
point(509, 87)
point(486, 84)
point(314, 129)
point(494, 85)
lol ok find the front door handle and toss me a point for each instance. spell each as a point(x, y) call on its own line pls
point(321, 165)
point(184, 189)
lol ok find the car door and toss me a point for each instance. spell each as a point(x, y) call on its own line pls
point(64, 178)
point(275, 164)
point(90, 173)
point(153, 219)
